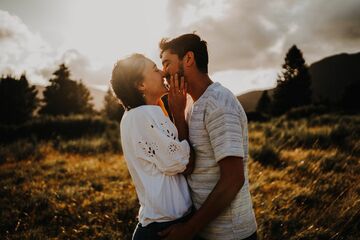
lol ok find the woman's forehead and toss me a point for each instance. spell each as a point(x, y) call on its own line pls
point(148, 61)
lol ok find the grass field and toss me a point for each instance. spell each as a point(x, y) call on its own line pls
point(304, 176)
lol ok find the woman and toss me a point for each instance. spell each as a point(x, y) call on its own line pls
point(156, 153)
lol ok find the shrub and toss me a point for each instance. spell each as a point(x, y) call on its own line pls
point(333, 163)
point(308, 139)
point(20, 150)
point(306, 111)
point(306, 200)
point(325, 119)
point(84, 146)
point(257, 117)
point(49, 127)
point(267, 155)
point(17, 99)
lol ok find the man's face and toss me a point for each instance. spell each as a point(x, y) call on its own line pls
point(171, 64)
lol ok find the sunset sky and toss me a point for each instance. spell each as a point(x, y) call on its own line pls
point(247, 40)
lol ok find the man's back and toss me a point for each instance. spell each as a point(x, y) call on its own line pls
point(217, 129)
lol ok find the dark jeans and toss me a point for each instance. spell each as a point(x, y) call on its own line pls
point(150, 232)
point(252, 237)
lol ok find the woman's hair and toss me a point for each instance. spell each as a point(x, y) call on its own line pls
point(126, 75)
point(185, 43)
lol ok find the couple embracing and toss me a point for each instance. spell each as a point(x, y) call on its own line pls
point(190, 168)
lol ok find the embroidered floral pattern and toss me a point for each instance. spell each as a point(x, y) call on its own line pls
point(173, 148)
point(149, 148)
point(166, 130)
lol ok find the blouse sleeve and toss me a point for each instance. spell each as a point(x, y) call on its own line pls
point(158, 143)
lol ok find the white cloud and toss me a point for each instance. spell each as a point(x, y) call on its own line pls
point(247, 40)
point(257, 34)
point(25, 51)
point(81, 68)
point(21, 49)
point(242, 81)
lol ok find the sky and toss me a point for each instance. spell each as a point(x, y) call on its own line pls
point(247, 39)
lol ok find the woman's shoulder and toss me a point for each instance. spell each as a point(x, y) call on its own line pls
point(145, 112)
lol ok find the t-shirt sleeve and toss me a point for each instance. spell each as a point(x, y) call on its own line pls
point(225, 133)
point(158, 143)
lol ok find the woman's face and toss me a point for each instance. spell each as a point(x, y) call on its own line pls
point(153, 84)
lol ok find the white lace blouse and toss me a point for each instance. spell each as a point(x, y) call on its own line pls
point(155, 157)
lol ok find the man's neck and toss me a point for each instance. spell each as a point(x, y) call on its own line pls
point(198, 85)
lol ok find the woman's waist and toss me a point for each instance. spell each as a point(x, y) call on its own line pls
point(148, 215)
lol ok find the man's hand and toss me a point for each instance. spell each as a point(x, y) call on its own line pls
point(230, 182)
point(180, 231)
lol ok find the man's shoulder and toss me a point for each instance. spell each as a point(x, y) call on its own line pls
point(222, 97)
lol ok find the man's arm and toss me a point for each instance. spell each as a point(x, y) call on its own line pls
point(230, 182)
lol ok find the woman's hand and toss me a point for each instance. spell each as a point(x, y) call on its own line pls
point(177, 96)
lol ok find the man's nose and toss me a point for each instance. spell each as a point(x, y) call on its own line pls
point(162, 73)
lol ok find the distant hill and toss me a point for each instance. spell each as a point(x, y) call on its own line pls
point(98, 96)
point(332, 74)
point(249, 100)
point(329, 78)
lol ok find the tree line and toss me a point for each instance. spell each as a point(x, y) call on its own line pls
point(64, 96)
point(294, 90)
point(19, 100)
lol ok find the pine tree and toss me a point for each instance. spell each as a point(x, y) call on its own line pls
point(17, 99)
point(350, 99)
point(112, 108)
point(65, 96)
point(263, 106)
point(293, 84)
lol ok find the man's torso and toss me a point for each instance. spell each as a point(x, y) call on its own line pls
point(238, 219)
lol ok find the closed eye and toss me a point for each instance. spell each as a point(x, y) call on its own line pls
point(165, 64)
point(155, 68)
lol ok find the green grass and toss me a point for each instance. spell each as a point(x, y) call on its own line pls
point(304, 179)
point(314, 193)
point(68, 198)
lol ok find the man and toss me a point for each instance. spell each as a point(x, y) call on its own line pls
point(218, 133)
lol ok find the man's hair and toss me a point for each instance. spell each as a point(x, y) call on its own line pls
point(185, 43)
point(127, 73)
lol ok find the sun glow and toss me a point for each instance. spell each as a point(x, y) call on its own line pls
point(107, 30)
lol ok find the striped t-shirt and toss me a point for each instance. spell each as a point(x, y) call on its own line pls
point(218, 129)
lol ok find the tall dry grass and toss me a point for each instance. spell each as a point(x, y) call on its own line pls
point(304, 178)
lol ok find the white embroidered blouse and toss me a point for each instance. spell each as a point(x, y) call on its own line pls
point(155, 157)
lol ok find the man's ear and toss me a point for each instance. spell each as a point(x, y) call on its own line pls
point(189, 59)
